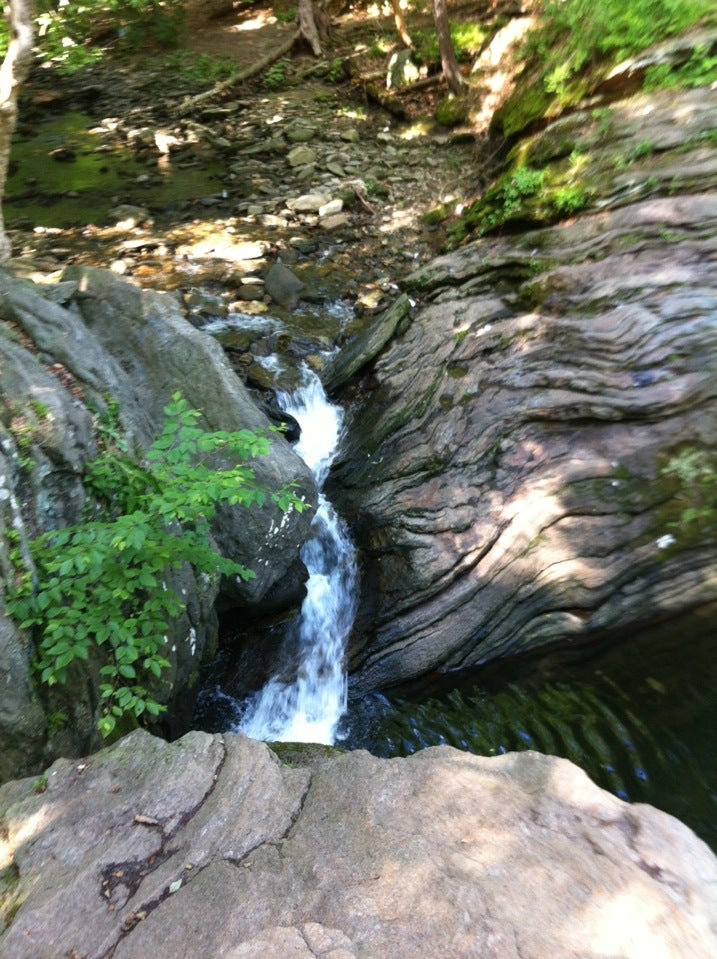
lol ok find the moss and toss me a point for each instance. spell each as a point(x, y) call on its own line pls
point(529, 103)
point(452, 111)
point(438, 214)
point(299, 755)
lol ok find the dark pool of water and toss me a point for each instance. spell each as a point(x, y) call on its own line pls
point(638, 713)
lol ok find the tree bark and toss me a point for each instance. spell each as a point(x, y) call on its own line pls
point(13, 72)
point(312, 24)
point(445, 43)
point(399, 19)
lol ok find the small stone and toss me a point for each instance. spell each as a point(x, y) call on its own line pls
point(350, 136)
point(328, 209)
point(336, 169)
point(126, 215)
point(308, 203)
point(283, 286)
point(300, 134)
point(274, 222)
point(335, 222)
point(301, 156)
point(251, 291)
point(303, 244)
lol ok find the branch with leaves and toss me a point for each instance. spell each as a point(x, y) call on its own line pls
point(104, 582)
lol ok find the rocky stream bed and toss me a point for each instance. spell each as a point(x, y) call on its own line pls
point(520, 410)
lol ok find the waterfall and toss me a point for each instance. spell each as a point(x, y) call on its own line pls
point(309, 708)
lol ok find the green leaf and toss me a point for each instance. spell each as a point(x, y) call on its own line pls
point(106, 725)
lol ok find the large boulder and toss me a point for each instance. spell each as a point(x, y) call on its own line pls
point(69, 351)
point(210, 846)
point(533, 446)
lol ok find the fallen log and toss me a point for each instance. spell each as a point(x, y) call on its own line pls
point(189, 103)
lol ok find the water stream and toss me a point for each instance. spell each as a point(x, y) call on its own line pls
point(309, 708)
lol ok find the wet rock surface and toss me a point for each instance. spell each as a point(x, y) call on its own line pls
point(211, 846)
point(77, 346)
point(508, 474)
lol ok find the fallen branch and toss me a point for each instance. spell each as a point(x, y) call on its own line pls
point(388, 101)
point(189, 103)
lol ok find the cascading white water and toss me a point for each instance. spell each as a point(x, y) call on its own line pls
point(309, 708)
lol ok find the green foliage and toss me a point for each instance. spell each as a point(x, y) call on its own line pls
point(337, 71)
point(509, 196)
point(573, 34)
point(286, 16)
point(276, 76)
point(468, 39)
point(699, 71)
point(64, 34)
point(200, 68)
point(105, 582)
point(39, 785)
point(569, 199)
point(382, 45)
point(693, 473)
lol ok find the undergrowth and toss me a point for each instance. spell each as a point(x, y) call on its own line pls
point(574, 34)
point(105, 582)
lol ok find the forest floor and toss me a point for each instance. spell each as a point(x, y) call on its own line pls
point(131, 98)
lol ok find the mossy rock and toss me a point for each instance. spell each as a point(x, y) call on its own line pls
point(303, 754)
point(529, 103)
point(452, 111)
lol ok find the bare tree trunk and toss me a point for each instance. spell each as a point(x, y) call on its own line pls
point(308, 14)
point(399, 18)
point(13, 72)
point(445, 43)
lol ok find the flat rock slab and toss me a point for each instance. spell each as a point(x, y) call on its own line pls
point(211, 847)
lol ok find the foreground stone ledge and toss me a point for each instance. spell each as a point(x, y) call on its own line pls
point(211, 847)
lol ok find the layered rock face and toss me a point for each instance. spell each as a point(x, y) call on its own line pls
point(515, 475)
point(210, 846)
point(78, 345)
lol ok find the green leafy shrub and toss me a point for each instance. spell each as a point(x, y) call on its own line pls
point(575, 42)
point(73, 35)
point(508, 198)
point(569, 199)
point(286, 16)
point(699, 71)
point(572, 32)
point(276, 75)
point(337, 71)
point(104, 582)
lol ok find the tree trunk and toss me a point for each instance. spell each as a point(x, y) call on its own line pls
point(445, 43)
point(13, 72)
point(399, 18)
point(312, 24)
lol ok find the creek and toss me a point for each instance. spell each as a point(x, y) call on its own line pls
point(309, 708)
point(635, 712)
